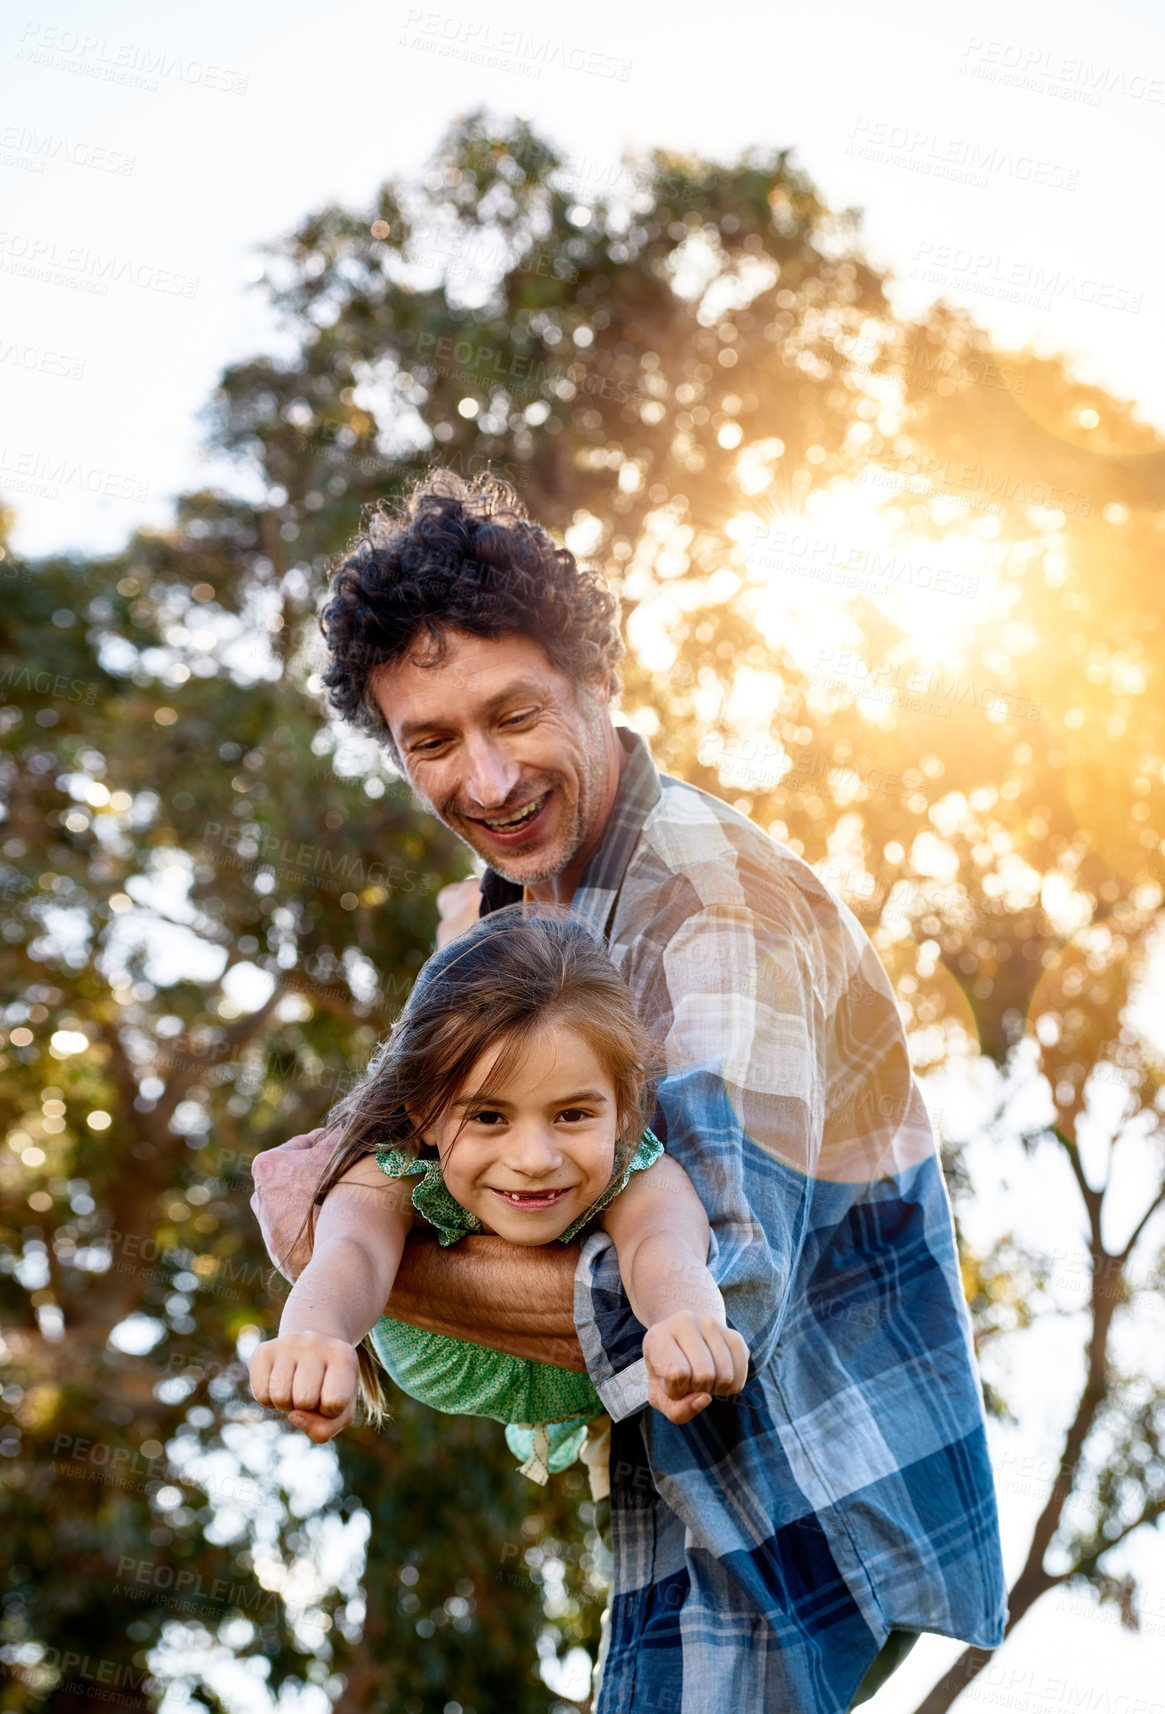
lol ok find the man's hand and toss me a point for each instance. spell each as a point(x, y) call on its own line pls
point(458, 905)
point(310, 1375)
point(286, 1179)
point(689, 1358)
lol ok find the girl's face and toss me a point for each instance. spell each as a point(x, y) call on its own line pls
point(536, 1147)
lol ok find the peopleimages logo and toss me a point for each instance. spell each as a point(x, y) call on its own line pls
point(41, 360)
point(31, 150)
point(19, 676)
point(127, 63)
point(844, 669)
point(336, 868)
point(22, 468)
point(925, 366)
point(91, 1676)
point(1046, 72)
point(788, 550)
point(977, 484)
point(961, 158)
point(992, 274)
point(476, 40)
point(29, 255)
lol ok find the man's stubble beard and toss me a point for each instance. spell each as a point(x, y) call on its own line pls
point(571, 841)
point(590, 793)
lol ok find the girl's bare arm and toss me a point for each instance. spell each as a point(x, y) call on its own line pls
point(311, 1368)
point(661, 1233)
point(360, 1237)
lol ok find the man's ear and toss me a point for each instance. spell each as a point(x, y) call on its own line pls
point(600, 688)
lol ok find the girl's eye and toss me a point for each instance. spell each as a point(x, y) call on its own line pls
point(487, 1116)
point(575, 1115)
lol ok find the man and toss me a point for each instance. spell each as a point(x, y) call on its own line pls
point(770, 1551)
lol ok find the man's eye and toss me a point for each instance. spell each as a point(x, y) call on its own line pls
point(519, 719)
point(426, 748)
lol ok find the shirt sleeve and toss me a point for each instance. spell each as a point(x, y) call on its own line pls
point(742, 1107)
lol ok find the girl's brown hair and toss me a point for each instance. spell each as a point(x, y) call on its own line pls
point(493, 987)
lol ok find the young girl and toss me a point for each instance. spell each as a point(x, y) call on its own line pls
point(510, 1098)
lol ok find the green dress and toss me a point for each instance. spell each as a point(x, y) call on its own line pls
point(546, 1409)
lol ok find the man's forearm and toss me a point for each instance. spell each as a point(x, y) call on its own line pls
point(489, 1292)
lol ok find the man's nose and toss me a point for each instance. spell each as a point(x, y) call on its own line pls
point(533, 1150)
point(491, 775)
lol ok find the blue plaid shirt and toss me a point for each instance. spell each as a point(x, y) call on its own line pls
point(764, 1551)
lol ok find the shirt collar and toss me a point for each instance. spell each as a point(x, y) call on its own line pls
point(598, 889)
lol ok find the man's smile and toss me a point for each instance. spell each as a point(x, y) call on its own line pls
point(514, 821)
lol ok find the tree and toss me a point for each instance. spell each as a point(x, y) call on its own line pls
point(690, 373)
point(177, 817)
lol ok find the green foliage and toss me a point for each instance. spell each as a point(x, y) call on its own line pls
point(181, 851)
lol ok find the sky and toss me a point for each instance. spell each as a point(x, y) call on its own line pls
point(1003, 156)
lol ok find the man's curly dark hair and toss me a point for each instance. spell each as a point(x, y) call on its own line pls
point(461, 555)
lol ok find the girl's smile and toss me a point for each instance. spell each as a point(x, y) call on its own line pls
point(530, 1198)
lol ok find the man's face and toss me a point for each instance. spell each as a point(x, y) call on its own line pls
point(499, 745)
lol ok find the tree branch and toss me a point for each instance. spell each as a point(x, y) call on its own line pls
point(1092, 1198)
point(213, 934)
point(972, 1661)
point(139, 1176)
point(326, 998)
point(1034, 1581)
point(1157, 1202)
point(235, 1037)
point(1087, 1560)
